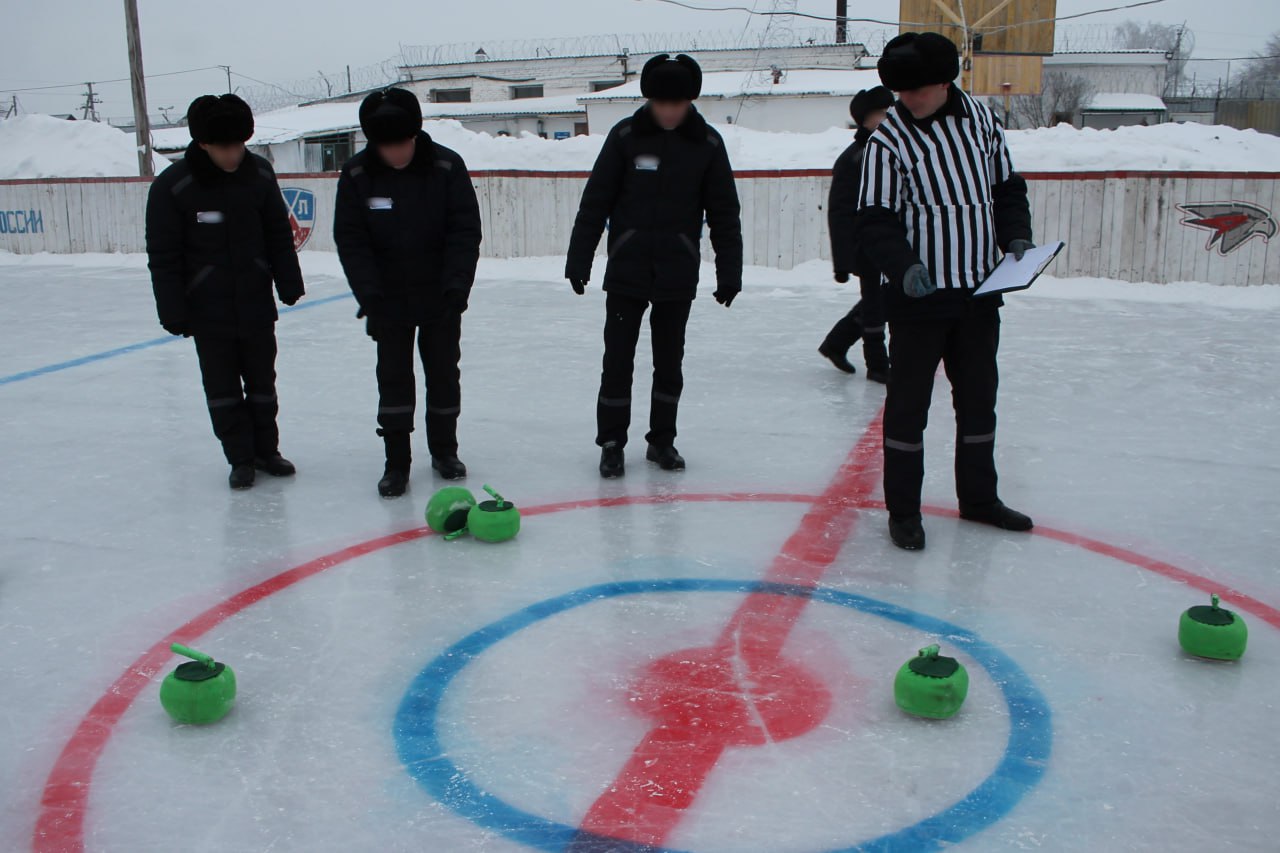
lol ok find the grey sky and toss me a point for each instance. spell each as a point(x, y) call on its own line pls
point(65, 41)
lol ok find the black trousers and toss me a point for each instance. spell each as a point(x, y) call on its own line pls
point(239, 375)
point(440, 348)
point(667, 322)
point(865, 321)
point(967, 348)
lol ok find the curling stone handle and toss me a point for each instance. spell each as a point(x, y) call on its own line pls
point(193, 654)
point(449, 537)
point(1213, 597)
point(502, 503)
point(930, 651)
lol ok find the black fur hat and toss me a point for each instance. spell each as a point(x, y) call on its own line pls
point(913, 60)
point(868, 101)
point(390, 115)
point(667, 79)
point(219, 119)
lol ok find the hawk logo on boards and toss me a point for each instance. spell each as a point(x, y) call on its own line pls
point(1231, 223)
point(302, 213)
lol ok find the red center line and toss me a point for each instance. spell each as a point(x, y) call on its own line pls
point(768, 698)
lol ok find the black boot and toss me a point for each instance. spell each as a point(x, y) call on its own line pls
point(242, 476)
point(907, 533)
point(997, 515)
point(395, 477)
point(838, 358)
point(394, 482)
point(612, 461)
point(449, 467)
point(668, 458)
point(275, 465)
point(876, 358)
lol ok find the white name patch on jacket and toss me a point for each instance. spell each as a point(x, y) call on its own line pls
point(209, 217)
point(380, 203)
point(647, 162)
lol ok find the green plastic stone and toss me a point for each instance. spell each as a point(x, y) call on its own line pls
point(200, 691)
point(930, 685)
point(497, 520)
point(1212, 632)
point(447, 510)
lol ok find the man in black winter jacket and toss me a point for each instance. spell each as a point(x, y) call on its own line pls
point(659, 172)
point(218, 234)
point(940, 204)
point(868, 108)
point(407, 227)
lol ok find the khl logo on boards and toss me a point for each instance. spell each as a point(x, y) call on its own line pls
point(302, 213)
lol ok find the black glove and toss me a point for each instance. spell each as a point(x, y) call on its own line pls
point(842, 277)
point(177, 329)
point(917, 283)
point(1018, 248)
point(579, 285)
point(455, 299)
point(370, 327)
point(292, 300)
point(725, 296)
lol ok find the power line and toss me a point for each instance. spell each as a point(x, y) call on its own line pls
point(758, 13)
point(116, 80)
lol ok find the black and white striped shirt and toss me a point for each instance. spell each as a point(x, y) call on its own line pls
point(937, 176)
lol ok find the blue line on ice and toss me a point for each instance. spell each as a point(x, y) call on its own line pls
point(154, 342)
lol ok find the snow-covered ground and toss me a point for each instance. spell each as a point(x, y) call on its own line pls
point(39, 146)
point(1140, 426)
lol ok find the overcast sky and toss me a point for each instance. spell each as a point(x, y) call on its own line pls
point(67, 41)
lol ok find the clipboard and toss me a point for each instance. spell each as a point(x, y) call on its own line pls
point(1010, 274)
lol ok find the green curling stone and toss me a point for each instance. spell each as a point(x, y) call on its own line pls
point(1212, 632)
point(200, 691)
point(447, 510)
point(930, 685)
point(497, 520)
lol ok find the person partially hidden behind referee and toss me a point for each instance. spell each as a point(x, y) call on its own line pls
point(940, 204)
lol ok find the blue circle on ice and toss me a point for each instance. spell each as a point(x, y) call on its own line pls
point(418, 742)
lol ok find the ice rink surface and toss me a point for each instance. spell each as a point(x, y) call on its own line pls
point(701, 661)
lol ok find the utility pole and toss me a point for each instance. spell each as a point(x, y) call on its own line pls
point(348, 79)
point(227, 68)
point(91, 101)
point(842, 22)
point(138, 85)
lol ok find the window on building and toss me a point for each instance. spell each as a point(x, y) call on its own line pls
point(601, 85)
point(328, 153)
point(450, 96)
point(531, 91)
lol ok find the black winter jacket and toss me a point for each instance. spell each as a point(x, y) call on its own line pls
point(653, 188)
point(842, 207)
point(215, 242)
point(405, 236)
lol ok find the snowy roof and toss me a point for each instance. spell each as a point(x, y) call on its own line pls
point(1129, 102)
point(731, 84)
point(296, 122)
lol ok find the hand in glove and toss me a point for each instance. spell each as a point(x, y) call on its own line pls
point(292, 300)
point(725, 296)
point(842, 278)
point(455, 299)
point(1018, 248)
point(370, 329)
point(917, 283)
point(579, 285)
point(178, 330)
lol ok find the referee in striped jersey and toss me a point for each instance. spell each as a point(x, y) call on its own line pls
point(940, 204)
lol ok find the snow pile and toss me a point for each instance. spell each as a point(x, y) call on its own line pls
point(1160, 148)
point(39, 146)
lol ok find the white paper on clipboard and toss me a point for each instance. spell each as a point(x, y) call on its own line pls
point(1011, 274)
